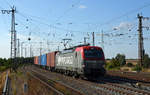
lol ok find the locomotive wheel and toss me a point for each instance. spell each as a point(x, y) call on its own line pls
point(75, 75)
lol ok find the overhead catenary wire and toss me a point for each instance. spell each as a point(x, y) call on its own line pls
point(49, 25)
point(125, 14)
point(104, 23)
point(59, 28)
point(72, 6)
point(8, 3)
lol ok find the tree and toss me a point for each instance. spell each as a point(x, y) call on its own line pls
point(121, 59)
point(146, 61)
point(129, 64)
point(116, 62)
point(1, 61)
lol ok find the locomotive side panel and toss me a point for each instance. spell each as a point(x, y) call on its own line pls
point(79, 61)
point(65, 61)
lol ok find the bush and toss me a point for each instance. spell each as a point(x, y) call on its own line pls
point(129, 64)
point(115, 62)
point(111, 66)
point(137, 68)
point(121, 59)
point(2, 68)
point(146, 61)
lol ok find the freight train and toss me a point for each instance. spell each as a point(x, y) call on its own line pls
point(83, 60)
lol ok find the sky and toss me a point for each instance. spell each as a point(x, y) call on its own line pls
point(50, 21)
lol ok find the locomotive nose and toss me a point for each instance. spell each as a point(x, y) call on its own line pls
point(94, 64)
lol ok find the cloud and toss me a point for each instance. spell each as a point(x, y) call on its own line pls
point(82, 7)
point(123, 25)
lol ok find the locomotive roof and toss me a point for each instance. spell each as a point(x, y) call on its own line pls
point(72, 49)
point(89, 47)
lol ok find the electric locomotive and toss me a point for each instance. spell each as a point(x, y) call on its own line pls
point(81, 60)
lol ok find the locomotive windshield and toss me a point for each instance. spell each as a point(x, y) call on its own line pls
point(93, 53)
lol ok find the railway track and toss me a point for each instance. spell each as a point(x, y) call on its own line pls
point(141, 76)
point(58, 88)
point(115, 88)
point(71, 82)
point(45, 83)
point(143, 85)
point(99, 87)
point(129, 89)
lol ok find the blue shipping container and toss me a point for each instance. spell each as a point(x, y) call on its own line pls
point(43, 60)
point(39, 60)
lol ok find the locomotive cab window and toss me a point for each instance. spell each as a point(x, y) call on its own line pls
point(93, 53)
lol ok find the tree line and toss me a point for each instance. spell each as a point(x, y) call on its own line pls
point(10, 63)
point(120, 61)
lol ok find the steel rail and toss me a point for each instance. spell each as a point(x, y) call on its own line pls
point(6, 85)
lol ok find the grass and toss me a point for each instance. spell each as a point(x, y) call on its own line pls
point(146, 70)
point(57, 79)
point(125, 68)
point(51, 81)
point(3, 68)
point(60, 87)
point(113, 69)
point(2, 80)
point(17, 81)
point(19, 73)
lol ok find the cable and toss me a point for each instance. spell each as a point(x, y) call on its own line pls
point(126, 14)
point(7, 3)
point(1, 7)
point(49, 25)
point(73, 5)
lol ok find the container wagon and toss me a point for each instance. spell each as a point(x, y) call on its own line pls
point(36, 60)
point(51, 60)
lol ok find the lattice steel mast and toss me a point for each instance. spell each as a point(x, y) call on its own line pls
point(13, 34)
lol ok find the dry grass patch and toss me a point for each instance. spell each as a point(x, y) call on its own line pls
point(2, 80)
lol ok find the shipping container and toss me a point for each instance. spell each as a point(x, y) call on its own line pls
point(36, 60)
point(39, 60)
point(51, 59)
point(44, 59)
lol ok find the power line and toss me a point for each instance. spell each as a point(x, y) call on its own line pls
point(49, 25)
point(125, 14)
point(7, 3)
point(73, 5)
